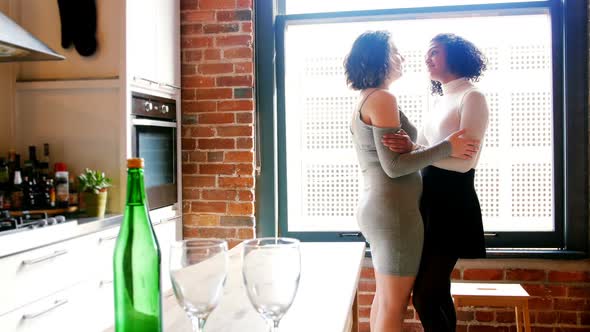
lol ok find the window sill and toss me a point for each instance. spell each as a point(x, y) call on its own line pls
point(529, 254)
point(538, 254)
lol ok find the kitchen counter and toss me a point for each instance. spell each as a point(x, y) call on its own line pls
point(20, 241)
point(324, 302)
point(15, 242)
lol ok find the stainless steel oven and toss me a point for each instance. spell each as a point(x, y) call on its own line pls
point(153, 138)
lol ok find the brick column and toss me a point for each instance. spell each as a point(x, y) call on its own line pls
point(217, 119)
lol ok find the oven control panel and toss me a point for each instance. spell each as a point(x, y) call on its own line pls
point(153, 107)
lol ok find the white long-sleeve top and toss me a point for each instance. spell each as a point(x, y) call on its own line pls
point(462, 106)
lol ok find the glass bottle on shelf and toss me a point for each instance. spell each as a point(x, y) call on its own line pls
point(62, 190)
point(44, 163)
point(11, 165)
point(31, 166)
point(17, 192)
point(29, 191)
point(51, 193)
point(4, 175)
point(73, 192)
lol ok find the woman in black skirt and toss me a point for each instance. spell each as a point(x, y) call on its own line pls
point(449, 205)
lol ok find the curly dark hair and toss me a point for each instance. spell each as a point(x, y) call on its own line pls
point(368, 65)
point(464, 59)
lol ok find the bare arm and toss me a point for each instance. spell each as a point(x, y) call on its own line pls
point(474, 118)
point(396, 165)
point(383, 114)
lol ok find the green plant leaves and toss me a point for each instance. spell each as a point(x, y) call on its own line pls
point(93, 181)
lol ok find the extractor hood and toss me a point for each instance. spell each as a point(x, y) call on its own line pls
point(16, 44)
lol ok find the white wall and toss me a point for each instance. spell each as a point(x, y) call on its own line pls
point(79, 119)
point(41, 18)
point(6, 101)
point(7, 77)
point(81, 122)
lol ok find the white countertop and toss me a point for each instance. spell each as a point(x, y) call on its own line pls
point(17, 242)
point(12, 243)
point(327, 289)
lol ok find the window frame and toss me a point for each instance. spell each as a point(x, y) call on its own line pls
point(570, 123)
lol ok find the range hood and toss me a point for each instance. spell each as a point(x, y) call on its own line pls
point(16, 44)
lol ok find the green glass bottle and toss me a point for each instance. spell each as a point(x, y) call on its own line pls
point(136, 262)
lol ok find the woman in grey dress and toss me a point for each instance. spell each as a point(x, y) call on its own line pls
point(388, 213)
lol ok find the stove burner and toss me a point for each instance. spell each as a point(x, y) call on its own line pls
point(27, 221)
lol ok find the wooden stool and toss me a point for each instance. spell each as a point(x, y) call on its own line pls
point(494, 295)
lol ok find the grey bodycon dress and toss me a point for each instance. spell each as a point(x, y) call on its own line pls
point(388, 213)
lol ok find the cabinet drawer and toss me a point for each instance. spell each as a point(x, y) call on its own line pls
point(101, 299)
point(166, 234)
point(63, 311)
point(105, 247)
point(29, 276)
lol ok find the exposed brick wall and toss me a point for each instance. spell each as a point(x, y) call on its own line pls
point(217, 119)
point(560, 293)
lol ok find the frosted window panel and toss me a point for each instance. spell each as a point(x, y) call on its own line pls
point(515, 174)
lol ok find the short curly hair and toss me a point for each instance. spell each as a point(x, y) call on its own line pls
point(368, 64)
point(464, 59)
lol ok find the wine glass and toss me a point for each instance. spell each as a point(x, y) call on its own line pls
point(271, 268)
point(198, 270)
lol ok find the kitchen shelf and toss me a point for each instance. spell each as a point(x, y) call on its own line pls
point(50, 212)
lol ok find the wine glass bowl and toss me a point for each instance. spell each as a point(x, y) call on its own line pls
point(198, 271)
point(271, 269)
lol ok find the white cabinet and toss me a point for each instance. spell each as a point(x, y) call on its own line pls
point(68, 286)
point(64, 311)
point(168, 41)
point(100, 290)
point(166, 233)
point(86, 306)
point(141, 33)
point(105, 243)
point(153, 41)
point(37, 273)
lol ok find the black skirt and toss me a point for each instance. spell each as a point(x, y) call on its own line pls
point(451, 213)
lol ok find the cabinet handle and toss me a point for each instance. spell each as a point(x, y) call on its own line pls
point(106, 238)
point(354, 234)
point(104, 282)
point(44, 258)
point(136, 78)
point(160, 84)
point(57, 303)
point(163, 220)
point(170, 86)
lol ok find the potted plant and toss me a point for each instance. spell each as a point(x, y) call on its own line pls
point(93, 187)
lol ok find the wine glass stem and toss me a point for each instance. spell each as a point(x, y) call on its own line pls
point(274, 326)
point(198, 324)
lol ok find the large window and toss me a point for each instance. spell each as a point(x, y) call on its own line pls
point(522, 176)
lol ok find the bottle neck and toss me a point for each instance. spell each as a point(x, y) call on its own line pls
point(135, 187)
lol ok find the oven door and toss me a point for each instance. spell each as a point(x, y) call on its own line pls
point(155, 142)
